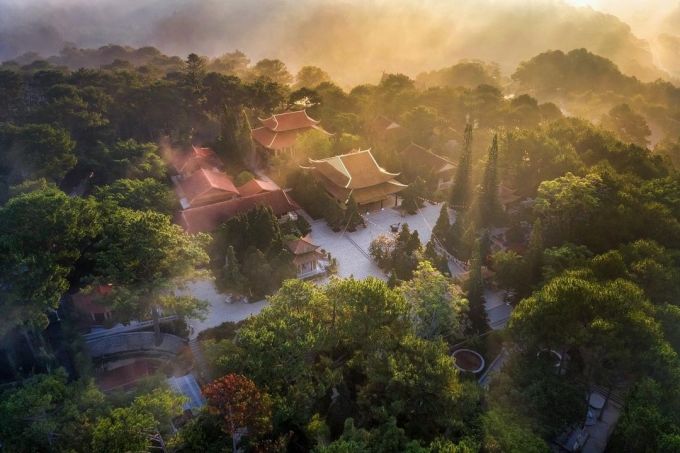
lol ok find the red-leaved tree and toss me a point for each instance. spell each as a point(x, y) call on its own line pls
point(245, 410)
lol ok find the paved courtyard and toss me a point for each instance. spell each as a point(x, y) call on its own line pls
point(496, 308)
point(351, 251)
point(219, 310)
point(351, 248)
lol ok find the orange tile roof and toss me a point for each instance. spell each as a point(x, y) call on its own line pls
point(279, 140)
point(195, 159)
point(255, 186)
point(86, 301)
point(202, 181)
point(302, 246)
point(384, 124)
point(207, 218)
point(281, 130)
point(421, 155)
point(289, 121)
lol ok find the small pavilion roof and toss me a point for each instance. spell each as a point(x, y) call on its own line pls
point(302, 246)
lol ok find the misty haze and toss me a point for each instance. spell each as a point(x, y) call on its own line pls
point(325, 226)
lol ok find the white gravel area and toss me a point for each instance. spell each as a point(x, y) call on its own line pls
point(351, 251)
point(351, 248)
point(220, 310)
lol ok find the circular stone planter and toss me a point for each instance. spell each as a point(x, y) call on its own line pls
point(545, 353)
point(468, 360)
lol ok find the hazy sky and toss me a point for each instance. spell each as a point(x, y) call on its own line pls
point(355, 37)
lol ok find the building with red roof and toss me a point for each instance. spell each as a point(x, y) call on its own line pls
point(306, 257)
point(382, 127)
point(255, 186)
point(205, 187)
point(442, 168)
point(209, 197)
point(88, 303)
point(279, 132)
point(208, 217)
point(197, 158)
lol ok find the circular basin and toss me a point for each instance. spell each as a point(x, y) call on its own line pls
point(468, 360)
point(550, 354)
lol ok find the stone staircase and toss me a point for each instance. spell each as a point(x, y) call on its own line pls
point(201, 365)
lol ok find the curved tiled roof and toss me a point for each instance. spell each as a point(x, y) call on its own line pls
point(282, 139)
point(288, 121)
point(198, 157)
point(301, 246)
point(354, 170)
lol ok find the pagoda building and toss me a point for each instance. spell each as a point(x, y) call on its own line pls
point(356, 175)
point(279, 132)
point(306, 257)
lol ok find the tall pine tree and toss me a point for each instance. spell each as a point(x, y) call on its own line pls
point(233, 277)
point(534, 256)
point(479, 322)
point(488, 196)
point(460, 193)
point(442, 229)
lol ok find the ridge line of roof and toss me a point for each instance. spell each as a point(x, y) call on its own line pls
point(349, 175)
point(382, 169)
point(273, 138)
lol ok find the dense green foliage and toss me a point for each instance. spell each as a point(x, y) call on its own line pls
point(320, 352)
point(590, 254)
point(48, 413)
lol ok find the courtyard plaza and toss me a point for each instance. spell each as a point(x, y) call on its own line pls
point(350, 249)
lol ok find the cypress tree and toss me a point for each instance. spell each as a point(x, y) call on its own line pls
point(442, 229)
point(438, 261)
point(232, 270)
point(534, 256)
point(460, 193)
point(488, 197)
point(352, 217)
point(479, 322)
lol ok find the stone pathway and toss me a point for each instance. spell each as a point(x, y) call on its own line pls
point(219, 310)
